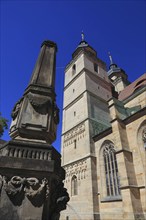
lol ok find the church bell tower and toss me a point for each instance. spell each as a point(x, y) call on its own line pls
point(85, 113)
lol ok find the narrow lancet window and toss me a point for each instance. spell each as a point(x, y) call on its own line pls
point(74, 186)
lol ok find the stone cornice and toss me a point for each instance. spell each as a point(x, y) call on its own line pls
point(132, 186)
point(80, 96)
point(123, 150)
point(80, 73)
point(96, 77)
point(78, 160)
point(94, 58)
point(75, 126)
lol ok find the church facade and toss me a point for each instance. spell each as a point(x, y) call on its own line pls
point(103, 140)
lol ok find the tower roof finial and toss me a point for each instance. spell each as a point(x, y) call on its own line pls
point(83, 36)
point(112, 64)
point(110, 57)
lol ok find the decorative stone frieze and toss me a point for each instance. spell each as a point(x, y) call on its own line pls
point(75, 133)
point(77, 168)
point(23, 152)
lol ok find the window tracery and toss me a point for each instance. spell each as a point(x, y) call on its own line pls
point(111, 171)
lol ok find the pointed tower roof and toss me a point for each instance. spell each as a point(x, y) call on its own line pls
point(84, 46)
point(112, 64)
point(117, 76)
point(115, 70)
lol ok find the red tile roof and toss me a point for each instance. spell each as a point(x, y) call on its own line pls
point(129, 90)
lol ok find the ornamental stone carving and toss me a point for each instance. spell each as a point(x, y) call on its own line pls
point(38, 100)
point(19, 187)
point(14, 186)
point(78, 168)
point(75, 133)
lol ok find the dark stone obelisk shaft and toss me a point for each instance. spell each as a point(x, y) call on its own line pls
point(36, 115)
point(44, 71)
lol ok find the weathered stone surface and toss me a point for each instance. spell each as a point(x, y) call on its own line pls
point(31, 176)
point(36, 115)
point(31, 179)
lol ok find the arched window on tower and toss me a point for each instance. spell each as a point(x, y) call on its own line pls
point(73, 69)
point(95, 67)
point(74, 186)
point(111, 170)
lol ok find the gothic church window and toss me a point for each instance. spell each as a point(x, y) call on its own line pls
point(111, 170)
point(74, 186)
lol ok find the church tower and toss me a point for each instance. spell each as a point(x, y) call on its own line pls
point(117, 76)
point(85, 113)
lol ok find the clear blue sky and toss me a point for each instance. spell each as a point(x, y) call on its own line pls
point(116, 26)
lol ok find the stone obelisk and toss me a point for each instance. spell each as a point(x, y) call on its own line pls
point(31, 177)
